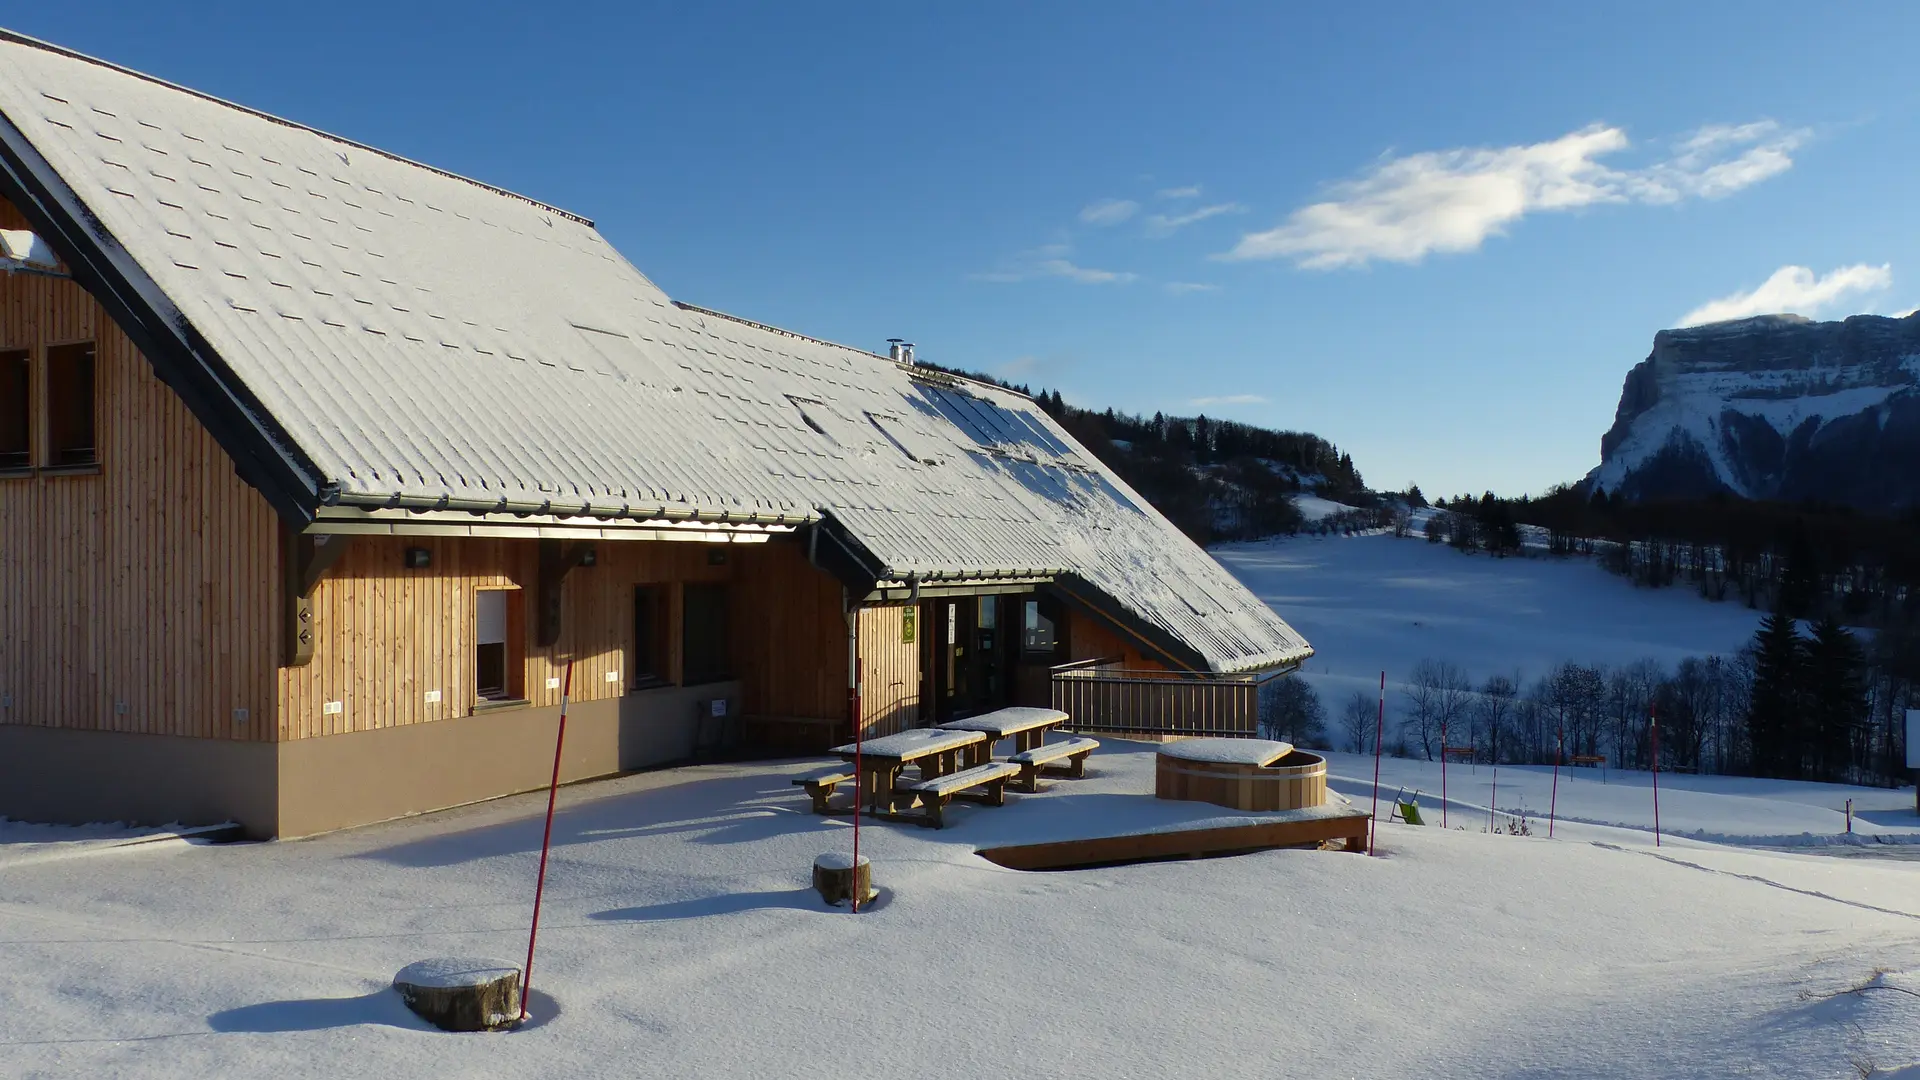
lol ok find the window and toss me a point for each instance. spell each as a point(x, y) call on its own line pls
point(16, 428)
point(650, 636)
point(1039, 636)
point(498, 636)
point(70, 405)
point(703, 635)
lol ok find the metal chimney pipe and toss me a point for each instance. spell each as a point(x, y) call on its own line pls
point(893, 348)
point(906, 352)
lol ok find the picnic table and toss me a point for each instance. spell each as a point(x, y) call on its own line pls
point(1025, 725)
point(936, 751)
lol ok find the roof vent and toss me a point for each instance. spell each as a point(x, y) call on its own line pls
point(894, 347)
point(906, 352)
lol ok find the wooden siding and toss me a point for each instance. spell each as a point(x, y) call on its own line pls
point(387, 636)
point(1089, 638)
point(790, 637)
point(889, 672)
point(137, 597)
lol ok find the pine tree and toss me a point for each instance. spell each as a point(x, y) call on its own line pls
point(1775, 704)
point(1836, 698)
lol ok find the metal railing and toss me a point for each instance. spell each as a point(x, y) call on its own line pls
point(1100, 695)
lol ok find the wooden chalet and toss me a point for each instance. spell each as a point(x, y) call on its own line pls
point(318, 466)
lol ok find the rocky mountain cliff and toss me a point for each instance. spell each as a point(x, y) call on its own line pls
point(1772, 407)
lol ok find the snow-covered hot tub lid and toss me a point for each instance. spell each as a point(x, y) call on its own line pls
point(1228, 751)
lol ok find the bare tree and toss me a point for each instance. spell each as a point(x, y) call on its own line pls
point(1453, 702)
point(1359, 720)
point(1495, 707)
point(1437, 694)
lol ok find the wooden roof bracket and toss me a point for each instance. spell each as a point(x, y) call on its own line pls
point(305, 559)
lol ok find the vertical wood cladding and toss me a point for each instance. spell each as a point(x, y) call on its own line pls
point(137, 596)
point(889, 673)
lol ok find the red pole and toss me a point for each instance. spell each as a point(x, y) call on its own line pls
point(1443, 774)
point(859, 734)
point(1493, 804)
point(1653, 729)
point(546, 841)
point(1379, 732)
point(1559, 751)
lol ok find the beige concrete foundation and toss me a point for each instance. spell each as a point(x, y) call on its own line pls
point(309, 786)
point(73, 777)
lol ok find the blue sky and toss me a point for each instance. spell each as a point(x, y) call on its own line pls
point(1437, 237)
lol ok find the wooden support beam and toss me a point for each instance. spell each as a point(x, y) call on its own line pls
point(557, 557)
point(306, 559)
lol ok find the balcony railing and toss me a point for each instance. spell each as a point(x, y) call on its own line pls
point(1100, 695)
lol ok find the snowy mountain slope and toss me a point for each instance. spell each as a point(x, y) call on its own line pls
point(1772, 407)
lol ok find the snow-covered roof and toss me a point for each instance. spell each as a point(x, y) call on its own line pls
point(363, 330)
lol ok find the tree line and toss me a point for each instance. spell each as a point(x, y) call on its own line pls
point(1214, 479)
point(1789, 705)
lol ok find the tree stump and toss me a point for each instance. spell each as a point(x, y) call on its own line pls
point(462, 994)
point(837, 878)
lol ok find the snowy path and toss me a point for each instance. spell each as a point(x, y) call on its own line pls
point(682, 941)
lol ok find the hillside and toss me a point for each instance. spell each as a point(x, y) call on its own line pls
point(1216, 480)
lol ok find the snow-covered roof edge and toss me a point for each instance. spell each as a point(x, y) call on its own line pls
point(27, 39)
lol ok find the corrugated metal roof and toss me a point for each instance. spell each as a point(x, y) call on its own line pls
point(421, 337)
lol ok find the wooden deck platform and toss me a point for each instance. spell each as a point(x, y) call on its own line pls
point(1185, 843)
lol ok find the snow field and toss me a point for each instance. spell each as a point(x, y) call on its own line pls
point(681, 938)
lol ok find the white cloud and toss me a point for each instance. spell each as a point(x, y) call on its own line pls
point(1405, 208)
point(1084, 274)
point(1228, 399)
point(1052, 261)
point(1180, 287)
point(1903, 314)
point(1190, 192)
point(1792, 289)
point(1109, 211)
point(1164, 225)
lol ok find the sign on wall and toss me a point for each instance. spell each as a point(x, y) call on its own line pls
point(907, 617)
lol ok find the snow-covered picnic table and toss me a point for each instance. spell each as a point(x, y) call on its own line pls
point(1026, 725)
point(880, 761)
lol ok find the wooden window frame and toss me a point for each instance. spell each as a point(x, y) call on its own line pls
point(514, 649)
point(43, 433)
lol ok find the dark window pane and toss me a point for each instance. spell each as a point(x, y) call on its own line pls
point(649, 636)
point(70, 388)
point(16, 442)
point(490, 667)
point(704, 634)
point(1039, 629)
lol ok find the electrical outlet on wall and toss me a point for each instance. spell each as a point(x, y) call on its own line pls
point(240, 718)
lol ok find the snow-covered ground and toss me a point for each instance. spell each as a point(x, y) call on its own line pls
point(1379, 602)
point(1314, 508)
point(680, 939)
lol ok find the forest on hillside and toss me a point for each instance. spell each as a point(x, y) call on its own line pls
point(1823, 703)
point(1215, 479)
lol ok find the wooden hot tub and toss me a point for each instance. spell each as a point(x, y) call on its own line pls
point(1245, 774)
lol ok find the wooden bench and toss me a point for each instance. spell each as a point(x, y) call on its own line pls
point(935, 793)
point(1041, 759)
point(821, 788)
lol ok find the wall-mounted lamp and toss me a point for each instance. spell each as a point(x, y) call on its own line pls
point(716, 556)
point(418, 558)
point(589, 556)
